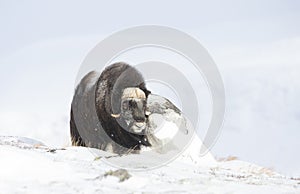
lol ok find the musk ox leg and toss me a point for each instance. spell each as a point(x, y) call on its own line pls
point(75, 136)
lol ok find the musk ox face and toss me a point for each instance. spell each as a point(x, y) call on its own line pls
point(133, 110)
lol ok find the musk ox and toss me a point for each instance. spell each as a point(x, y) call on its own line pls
point(109, 110)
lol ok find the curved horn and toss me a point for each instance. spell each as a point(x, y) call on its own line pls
point(115, 115)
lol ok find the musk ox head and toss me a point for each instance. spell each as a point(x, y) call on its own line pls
point(133, 110)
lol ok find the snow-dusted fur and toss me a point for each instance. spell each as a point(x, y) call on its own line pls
point(96, 98)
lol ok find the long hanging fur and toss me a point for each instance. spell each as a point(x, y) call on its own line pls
point(96, 98)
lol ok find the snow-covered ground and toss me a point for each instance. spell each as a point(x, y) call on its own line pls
point(29, 166)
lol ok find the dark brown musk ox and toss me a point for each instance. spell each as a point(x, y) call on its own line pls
point(108, 110)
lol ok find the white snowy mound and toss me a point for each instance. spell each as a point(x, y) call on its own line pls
point(26, 167)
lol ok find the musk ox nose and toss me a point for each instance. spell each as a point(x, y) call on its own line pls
point(139, 119)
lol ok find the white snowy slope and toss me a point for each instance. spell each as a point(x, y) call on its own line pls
point(28, 166)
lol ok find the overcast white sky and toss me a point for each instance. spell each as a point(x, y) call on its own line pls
point(256, 45)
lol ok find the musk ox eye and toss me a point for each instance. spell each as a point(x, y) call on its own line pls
point(125, 106)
